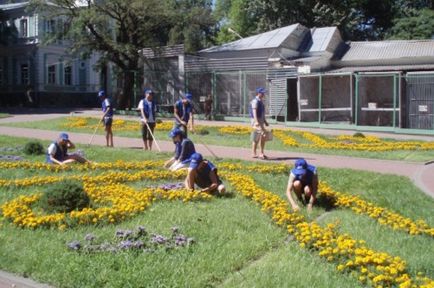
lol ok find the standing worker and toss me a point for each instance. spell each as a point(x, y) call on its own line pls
point(303, 180)
point(107, 117)
point(257, 115)
point(148, 110)
point(183, 111)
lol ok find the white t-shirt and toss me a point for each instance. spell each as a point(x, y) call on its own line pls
point(141, 106)
point(52, 149)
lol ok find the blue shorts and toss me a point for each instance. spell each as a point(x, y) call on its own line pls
point(108, 121)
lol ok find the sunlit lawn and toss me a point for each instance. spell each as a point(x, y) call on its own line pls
point(215, 137)
point(237, 245)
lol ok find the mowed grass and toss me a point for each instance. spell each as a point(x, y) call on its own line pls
point(216, 138)
point(237, 245)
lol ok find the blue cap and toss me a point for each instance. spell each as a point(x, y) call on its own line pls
point(63, 136)
point(148, 91)
point(300, 167)
point(260, 90)
point(101, 93)
point(175, 132)
point(188, 96)
point(194, 160)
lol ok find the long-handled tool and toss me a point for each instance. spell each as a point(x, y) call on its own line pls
point(209, 149)
point(93, 135)
point(153, 137)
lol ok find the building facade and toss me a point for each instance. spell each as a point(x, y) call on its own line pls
point(35, 74)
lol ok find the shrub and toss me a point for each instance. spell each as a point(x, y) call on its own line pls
point(33, 148)
point(65, 196)
point(359, 134)
point(158, 121)
point(202, 131)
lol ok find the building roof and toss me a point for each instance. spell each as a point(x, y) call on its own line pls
point(165, 51)
point(13, 6)
point(384, 68)
point(270, 39)
point(321, 38)
point(384, 50)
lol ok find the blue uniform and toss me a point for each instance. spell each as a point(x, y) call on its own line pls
point(202, 179)
point(183, 111)
point(184, 149)
point(260, 108)
point(149, 109)
point(307, 179)
point(59, 154)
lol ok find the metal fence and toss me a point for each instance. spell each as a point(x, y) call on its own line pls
point(384, 99)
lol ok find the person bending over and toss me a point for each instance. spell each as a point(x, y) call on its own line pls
point(303, 180)
point(204, 174)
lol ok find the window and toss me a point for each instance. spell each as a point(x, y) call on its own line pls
point(24, 74)
point(67, 72)
point(52, 74)
point(23, 28)
point(50, 26)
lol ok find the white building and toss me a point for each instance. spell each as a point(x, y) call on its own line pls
point(32, 73)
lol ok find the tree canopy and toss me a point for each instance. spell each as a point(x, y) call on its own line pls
point(356, 19)
point(119, 29)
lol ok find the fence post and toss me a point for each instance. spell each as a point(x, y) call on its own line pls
point(320, 98)
point(356, 104)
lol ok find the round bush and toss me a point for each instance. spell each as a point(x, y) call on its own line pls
point(65, 196)
point(359, 134)
point(201, 131)
point(33, 148)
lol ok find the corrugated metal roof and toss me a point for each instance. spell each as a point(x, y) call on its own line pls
point(384, 68)
point(13, 6)
point(381, 50)
point(226, 64)
point(270, 39)
point(165, 51)
point(321, 38)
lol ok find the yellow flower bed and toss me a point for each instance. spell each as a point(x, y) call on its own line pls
point(116, 202)
point(342, 142)
point(374, 268)
point(382, 215)
point(235, 130)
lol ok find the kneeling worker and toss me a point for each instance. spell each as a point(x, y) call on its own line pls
point(204, 174)
point(303, 180)
point(184, 148)
point(57, 152)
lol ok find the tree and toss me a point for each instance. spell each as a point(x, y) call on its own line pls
point(356, 19)
point(194, 24)
point(8, 32)
point(418, 26)
point(119, 29)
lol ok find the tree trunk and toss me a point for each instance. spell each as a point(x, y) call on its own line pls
point(126, 98)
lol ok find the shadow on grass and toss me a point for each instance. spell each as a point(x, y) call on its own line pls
point(325, 202)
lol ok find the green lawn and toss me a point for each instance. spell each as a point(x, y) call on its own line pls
point(4, 115)
point(216, 138)
point(237, 245)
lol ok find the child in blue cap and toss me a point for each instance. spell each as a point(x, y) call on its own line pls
point(183, 112)
point(303, 180)
point(184, 148)
point(107, 117)
point(257, 115)
point(204, 174)
point(57, 152)
point(148, 111)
